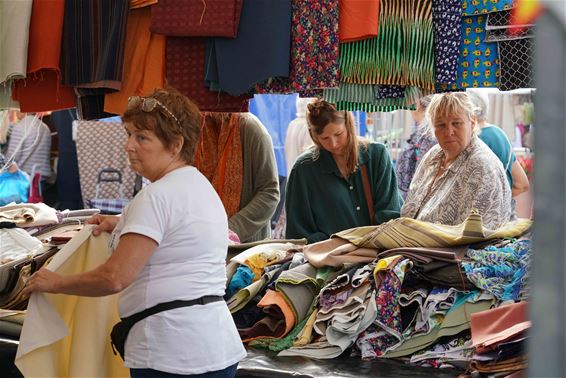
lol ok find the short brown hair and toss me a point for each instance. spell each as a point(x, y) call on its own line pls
point(166, 127)
point(319, 114)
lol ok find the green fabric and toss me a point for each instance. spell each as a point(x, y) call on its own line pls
point(401, 54)
point(260, 184)
point(299, 287)
point(278, 345)
point(319, 202)
point(362, 97)
point(497, 141)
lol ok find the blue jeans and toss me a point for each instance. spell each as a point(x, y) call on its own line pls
point(229, 372)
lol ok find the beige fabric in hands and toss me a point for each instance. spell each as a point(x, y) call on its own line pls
point(69, 336)
point(336, 252)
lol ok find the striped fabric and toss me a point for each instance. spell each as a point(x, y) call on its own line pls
point(408, 232)
point(30, 146)
point(363, 97)
point(92, 51)
point(402, 53)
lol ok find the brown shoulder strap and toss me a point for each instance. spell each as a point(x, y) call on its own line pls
point(367, 192)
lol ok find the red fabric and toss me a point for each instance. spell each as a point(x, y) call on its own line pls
point(42, 89)
point(491, 327)
point(196, 18)
point(358, 19)
point(35, 189)
point(185, 71)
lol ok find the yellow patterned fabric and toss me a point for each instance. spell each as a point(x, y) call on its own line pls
point(408, 232)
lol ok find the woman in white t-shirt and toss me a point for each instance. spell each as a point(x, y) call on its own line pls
point(169, 244)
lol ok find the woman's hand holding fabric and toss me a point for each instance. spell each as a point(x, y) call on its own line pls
point(43, 280)
point(106, 223)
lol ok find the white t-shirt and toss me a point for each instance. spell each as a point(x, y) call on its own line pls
point(186, 218)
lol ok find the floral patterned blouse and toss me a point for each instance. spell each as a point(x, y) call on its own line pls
point(475, 180)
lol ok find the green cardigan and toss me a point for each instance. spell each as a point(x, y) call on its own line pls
point(260, 183)
point(319, 202)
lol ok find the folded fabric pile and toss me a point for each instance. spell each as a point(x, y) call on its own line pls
point(363, 293)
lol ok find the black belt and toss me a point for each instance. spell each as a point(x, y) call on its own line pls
point(121, 329)
point(171, 305)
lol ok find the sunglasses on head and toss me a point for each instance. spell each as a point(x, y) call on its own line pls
point(148, 104)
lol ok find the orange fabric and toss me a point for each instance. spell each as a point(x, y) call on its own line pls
point(141, 3)
point(274, 298)
point(358, 19)
point(41, 90)
point(491, 327)
point(144, 62)
point(219, 157)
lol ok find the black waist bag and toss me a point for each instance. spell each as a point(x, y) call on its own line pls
point(121, 329)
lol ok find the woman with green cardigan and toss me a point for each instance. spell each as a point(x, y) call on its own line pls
point(325, 189)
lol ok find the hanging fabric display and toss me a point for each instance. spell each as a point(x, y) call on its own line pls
point(15, 17)
point(358, 19)
point(402, 53)
point(314, 50)
point(260, 51)
point(144, 62)
point(99, 71)
point(447, 18)
point(475, 7)
point(196, 18)
point(185, 71)
point(42, 90)
point(479, 60)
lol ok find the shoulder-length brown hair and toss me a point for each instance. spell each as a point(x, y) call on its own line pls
point(319, 114)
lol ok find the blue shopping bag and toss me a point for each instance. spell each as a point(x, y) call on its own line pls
point(14, 187)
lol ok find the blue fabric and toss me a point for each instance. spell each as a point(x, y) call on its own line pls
point(478, 65)
point(242, 278)
point(503, 271)
point(229, 372)
point(260, 51)
point(276, 111)
point(497, 141)
point(14, 187)
point(68, 183)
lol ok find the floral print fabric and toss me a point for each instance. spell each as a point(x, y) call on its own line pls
point(386, 330)
point(446, 18)
point(418, 145)
point(503, 271)
point(314, 49)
